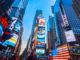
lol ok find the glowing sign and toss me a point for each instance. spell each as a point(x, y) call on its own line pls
point(4, 22)
point(70, 36)
point(40, 51)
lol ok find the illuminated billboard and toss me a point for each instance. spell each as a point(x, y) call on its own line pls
point(1, 30)
point(40, 51)
point(17, 26)
point(14, 20)
point(41, 36)
point(40, 39)
point(75, 50)
point(41, 22)
point(12, 41)
point(4, 22)
point(41, 32)
point(70, 36)
point(40, 46)
point(41, 28)
point(40, 43)
point(65, 20)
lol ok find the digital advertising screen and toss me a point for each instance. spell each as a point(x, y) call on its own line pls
point(1, 30)
point(17, 26)
point(70, 36)
point(40, 51)
point(41, 22)
point(41, 36)
point(40, 46)
point(40, 43)
point(12, 41)
point(41, 28)
point(41, 40)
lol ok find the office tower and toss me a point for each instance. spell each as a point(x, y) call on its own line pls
point(67, 28)
point(76, 7)
point(51, 33)
point(5, 6)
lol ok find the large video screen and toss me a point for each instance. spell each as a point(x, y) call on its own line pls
point(70, 36)
point(40, 51)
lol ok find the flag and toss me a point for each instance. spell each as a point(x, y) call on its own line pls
point(62, 53)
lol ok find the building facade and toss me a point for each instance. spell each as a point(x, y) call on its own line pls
point(76, 7)
point(67, 29)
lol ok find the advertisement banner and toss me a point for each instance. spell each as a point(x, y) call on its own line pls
point(1, 30)
point(17, 26)
point(40, 43)
point(41, 40)
point(41, 28)
point(14, 20)
point(12, 41)
point(41, 36)
point(40, 51)
point(41, 22)
point(75, 50)
point(65, 20)
point(70, 36)
point(4, 22)
point(40, 46)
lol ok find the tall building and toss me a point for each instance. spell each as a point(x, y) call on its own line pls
point(38, 12)
point(67, 27)
point(5, 6)
point(51, 33)
point(76, 7)
point(11, 16)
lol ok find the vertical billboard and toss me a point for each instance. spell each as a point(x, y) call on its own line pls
point(40, 45)
point(70, 36)
point(65, 20)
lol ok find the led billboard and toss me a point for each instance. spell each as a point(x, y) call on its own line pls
point(40, 51)
point(1, 30)
point(12, 41)
point(41, 28)
point(41, 22)
point(17, 26)
point(40, 43)
point(41, 36)
point(40, 39)
point(70, 36)
point(14, 20)
point(40, 46)
point(4, 22)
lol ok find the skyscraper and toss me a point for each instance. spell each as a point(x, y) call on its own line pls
point(51, 33)
point(68, 27)
point(76, 7)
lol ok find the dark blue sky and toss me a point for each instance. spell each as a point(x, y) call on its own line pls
point(33, 5)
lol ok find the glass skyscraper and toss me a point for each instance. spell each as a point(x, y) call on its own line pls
point(76, 7)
